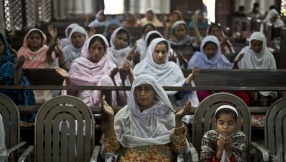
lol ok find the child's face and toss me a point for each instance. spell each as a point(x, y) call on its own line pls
point(225, 124)
point(215, 32)
point(256, 45)
point(35, 40)
point(101, 17)
point(1, 46)
point(160, 53)
point(210, 50)
point(180, 32)
point(78, 39)
point(112, 28)
point(96, 51)
point(121, 40)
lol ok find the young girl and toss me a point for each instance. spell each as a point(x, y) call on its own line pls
point(66, 41)
point(93, 68)
point(226, 46)
point(225, 143)
point(110, 27)
point(38, 56)
point(175, 16)
point(77, 38)
point(210, 57)
point(120, 41)
point(182, 41)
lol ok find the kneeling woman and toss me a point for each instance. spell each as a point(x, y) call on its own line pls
point(93, 68)
point(147, 128)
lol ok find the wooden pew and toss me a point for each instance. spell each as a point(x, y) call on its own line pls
point(282, 52)
point(253, 25)
point(271, 34)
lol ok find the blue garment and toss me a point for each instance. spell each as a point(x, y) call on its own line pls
point(20, 97)
point(106, 32)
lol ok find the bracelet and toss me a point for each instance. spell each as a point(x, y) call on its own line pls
point(181, 127)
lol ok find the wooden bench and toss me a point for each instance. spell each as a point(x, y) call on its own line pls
point(253, 25)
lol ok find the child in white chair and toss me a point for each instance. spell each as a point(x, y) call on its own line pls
point(225, 144)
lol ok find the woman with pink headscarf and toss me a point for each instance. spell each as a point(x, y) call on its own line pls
point(93, 68)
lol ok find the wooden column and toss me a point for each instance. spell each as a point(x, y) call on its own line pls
point(2, 21)
point(186, 5)
point(223, 12)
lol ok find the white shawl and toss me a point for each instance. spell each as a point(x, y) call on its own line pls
point(167, 74)
point(118, 56)
point(153, 126)
point(70, 51)
point(65, 41)
point(96, 23)
point(3, 150)
point(218, 61)
point(141, 47)
point(277, 24)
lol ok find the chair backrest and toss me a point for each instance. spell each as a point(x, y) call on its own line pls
point(204, 119)
point(64, 131)
point(11, 120)
point(275, 129)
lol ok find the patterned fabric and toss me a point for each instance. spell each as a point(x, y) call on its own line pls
point(154, 153)
point(20, 97)
point(209, 145)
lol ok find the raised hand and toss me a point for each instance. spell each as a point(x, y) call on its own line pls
point(136, 57)
point(165, 21)
point(184, 61)
point(237, 59)
point(131, 53)
point(52, 31)
point(62, 72)
point(228, 143)
point(128, 66)
point(106, 108)
point(185, 111)
point(113, 72)
point(172, 57)
point(193, 75)
point(91, 32)
point(195, 21)
point(20, 62)
point(12, 50)
point(59, 46)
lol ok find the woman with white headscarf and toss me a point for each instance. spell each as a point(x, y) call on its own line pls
point(77, 38)
point(167, 73)
point(272, 18)
point(257, 56)
point(99, 20)
point(65, 41)
point(147, 127)
point(120, 41)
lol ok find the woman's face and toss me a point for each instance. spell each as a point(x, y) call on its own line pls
point(215, 31)
point(112, 28)
point(160, 53)
point(200, 17)
point(150, 15)
point(145, 95)
point(274, 18)
point(35, 40)
point(147, 30)
point(129, 18)
point(1, 46)
point(121, 40)
point(180, 32)
point(210, 50)
point(175, 17)
point(101, 17)
point(96, 51)
point(225, 124)
point(78, 39)
point(256, 45)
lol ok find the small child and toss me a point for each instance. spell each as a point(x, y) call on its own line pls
point(225, 144)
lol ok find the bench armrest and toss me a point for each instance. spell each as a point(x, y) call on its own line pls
point(272, 156)
point(262, 151)
point(26, 153)
point(95, 154)
point(12, 149)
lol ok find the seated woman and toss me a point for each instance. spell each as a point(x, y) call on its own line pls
point(225, 143)
point(151, 18)
point(272, 18)
point(77, 38)
point(93, 68)
point(110, 27)
point(210, 57)
point(130, 20)
point(147, 127)
point(167, 73)
point(175, 16)
point(226, 46)
point(181, 41)
point(38, 56)
point(120, 41)
point(202, 21)
point(11, 74)
point(257, 56)
point(99, 20)
point(65, 41)
point(141, 43)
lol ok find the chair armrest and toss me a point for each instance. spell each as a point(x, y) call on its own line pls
point(263, 152)
point(12, 149)
point(195, 156)
point(26, 153)
point(95, 154)
point(273, 157)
